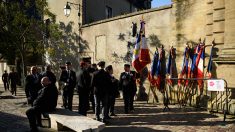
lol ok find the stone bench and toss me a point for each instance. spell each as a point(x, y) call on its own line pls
point(63, 118)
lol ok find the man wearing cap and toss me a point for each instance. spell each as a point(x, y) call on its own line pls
point(68, 77)
point(101, 83)
point(128, 86)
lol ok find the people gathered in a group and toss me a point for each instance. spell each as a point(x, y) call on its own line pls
point(10, 79)
point(95, 86)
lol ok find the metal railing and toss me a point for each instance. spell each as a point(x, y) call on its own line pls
point(183, 101)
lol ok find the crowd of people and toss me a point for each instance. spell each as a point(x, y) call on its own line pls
point(95, 84)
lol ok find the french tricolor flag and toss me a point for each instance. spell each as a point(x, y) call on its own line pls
point(187, 65)
point(200, 51)
point(141, 55)
point(209, 67)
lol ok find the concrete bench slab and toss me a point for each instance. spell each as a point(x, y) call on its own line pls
point(74, 121)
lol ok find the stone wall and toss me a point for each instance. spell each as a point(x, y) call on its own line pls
point(67, 48)
point(170, 25)
point(112, 41)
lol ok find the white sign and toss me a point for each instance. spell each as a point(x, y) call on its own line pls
point(215, 85)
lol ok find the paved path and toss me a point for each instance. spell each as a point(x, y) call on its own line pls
point(146, 118)
point(12, 112)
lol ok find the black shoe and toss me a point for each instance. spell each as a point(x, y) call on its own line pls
point(65, 107)
point(112, 114)
point(104, 121)
point(98, 119)
point(34, 129)
point(108, 117)
point(40, 125)
point(132, 111)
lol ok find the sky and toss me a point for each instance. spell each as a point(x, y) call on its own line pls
point(157, 3)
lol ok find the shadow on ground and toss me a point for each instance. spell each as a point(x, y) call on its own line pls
point(131, 129)
point(18, 123)
point(7, 97)
point(148, 114)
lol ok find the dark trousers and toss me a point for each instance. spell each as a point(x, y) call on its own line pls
point(111, 103)
point(101, 100)
point(83, 103)
point(67, 97)
point(30, 100)
point(128, 101)
point(132, 101)
point(34, 117)
point(13, 89)
point(92, 100)
point(6, 85)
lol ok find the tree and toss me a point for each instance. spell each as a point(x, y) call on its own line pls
point(22, 30)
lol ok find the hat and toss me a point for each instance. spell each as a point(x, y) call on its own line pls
point(82, 63)
point(68, 63)
point(127, 65)
point(109, 67)
point(101, 63)
point(62, 67)
point(94, 65)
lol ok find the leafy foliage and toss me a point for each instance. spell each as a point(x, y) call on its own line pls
point(22, 31)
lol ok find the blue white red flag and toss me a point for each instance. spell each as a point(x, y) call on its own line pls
point(157, 72)
point(154, 64)
point(161, 69)
point(186, 66)
point(171, 66)
point(199, 62)
point(141, 55)
point(153, 71)
point(209, 67)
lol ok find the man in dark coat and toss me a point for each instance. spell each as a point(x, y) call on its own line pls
point(113, 91)
point(92, 69)
point(128, 86)
point(68, 77)
point(5, 80)
point(45, 102)
point(83, 88)
point(32, 85)
point(101, 83)
point(13, 79)
point(48, 73)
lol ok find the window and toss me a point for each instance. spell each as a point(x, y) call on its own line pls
point(109, 12)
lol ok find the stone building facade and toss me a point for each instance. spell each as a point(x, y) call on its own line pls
point(183, 21)
point(95, 10)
